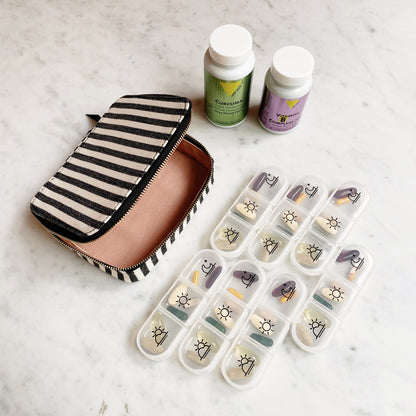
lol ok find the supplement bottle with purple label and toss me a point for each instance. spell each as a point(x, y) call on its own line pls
point(228, 67)
point(286, 88)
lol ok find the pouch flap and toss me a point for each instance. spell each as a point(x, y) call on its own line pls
point(112, 166)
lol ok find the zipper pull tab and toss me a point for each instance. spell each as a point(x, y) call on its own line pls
point(94, 117)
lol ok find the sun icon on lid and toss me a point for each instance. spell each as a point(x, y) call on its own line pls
point(159, 335)
point(183, 300)
point(224, 313)
point(336, 293)
point(231, 235)
point(333, 223)
point(317, 328)
point(266, 326)
point(289, 217)
point(250, 207)
point(247, 364)
point(314, 252)
point(270, 245)
point(202, 348)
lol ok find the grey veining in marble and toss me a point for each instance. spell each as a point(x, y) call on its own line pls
point(67, 332)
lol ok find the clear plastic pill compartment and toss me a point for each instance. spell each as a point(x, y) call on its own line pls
point(206, 342)
point(289, 218)
point(179, 308)
point(248, 212)
point(319, 243)
point(331, 298)
point(263, 331)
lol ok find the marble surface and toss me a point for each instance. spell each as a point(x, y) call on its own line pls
point(67, 343)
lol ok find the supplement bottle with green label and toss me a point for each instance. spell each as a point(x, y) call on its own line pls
point(286, 89)
point(228, 63)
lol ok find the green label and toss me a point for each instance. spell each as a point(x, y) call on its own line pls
point(226, 102)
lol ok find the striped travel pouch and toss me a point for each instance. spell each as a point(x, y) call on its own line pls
point(122, 197)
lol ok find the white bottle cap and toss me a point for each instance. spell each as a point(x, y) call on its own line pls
point(292, 66)
point(230, 45)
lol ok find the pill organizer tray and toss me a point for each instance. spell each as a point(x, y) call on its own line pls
point(320, 242)
point(207, 341)
point(265, 328)
point(227, 313)
point(248, 212)
point(332, 297)
point(178, 309)
point(312, 329)
point(202, 348)
point(289, 218)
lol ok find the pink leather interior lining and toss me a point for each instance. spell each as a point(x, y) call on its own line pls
point(157, 212)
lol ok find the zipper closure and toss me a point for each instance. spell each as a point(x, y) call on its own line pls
point(150, 181)
point(167, 157)
point(136, 192)
point(135, 266)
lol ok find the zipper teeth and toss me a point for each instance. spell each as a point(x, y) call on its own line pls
point(156, 173)
point(131, 207)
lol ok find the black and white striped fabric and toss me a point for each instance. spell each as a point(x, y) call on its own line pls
point(110, 162)
point(144, 268)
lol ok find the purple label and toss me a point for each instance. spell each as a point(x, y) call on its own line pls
point(280, 114)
